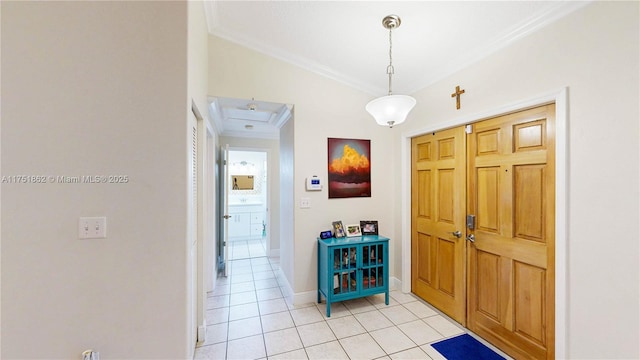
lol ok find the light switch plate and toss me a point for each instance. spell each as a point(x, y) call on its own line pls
point(305, 203)
point(92, 227)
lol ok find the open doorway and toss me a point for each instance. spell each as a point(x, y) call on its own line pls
point(252, 126)
point(248, 198)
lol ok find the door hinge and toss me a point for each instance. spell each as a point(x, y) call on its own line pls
point(468, 129)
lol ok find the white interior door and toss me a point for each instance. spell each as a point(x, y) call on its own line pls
point(224, 207)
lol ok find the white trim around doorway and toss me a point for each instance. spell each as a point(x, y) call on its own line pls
point(560, 98)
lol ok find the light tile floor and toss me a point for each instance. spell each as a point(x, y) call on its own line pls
point(244, 249)
point(248, 318)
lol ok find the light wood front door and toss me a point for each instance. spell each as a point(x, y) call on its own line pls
point(511, 191)
point(438, 213)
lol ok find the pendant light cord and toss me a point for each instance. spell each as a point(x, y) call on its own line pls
point(390, 69)
point(390, 110)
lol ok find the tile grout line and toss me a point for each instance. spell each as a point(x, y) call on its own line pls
point(264, 340)
point(289, 310)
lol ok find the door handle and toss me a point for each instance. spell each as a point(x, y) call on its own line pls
point(471, 238)
point(457, 234)
point(226, 216)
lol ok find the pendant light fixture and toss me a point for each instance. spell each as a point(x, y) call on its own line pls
point(391, 109)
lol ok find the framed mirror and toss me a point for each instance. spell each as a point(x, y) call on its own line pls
point(241, 182)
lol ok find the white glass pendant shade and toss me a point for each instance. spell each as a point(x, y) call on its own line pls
point(391, 109)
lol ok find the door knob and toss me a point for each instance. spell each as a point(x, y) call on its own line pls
point(457, 234)
point(471, 238)
point(227, 216)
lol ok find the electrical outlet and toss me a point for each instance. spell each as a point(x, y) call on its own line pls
point(92, 228)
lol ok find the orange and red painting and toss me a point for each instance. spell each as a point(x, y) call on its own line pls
point(349, 168)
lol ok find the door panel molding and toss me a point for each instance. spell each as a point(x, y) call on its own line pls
point(560, 98)
point(440, 194)
point(526, 207)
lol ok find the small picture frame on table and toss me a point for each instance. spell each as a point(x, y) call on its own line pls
point(369, 227)
point(353, 230)
point(338, 229)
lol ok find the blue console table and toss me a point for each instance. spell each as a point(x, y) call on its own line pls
point(352, 267)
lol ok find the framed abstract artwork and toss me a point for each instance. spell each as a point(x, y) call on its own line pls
point(349, 168)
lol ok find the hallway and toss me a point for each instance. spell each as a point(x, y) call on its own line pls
point(243, 249)
point(249, 319)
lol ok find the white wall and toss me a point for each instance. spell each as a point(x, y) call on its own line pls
point(198, 57)
point(94, 88)
point(323, 108)
point(287, 216)
point(197, 72)
point(593, 52)
point(0, 185)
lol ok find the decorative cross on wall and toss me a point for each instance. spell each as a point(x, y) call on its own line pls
point(457, 96)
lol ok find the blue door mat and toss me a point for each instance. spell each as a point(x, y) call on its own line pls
point(465, 347)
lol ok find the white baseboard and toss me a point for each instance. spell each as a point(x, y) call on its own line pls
point(395, 283)
point(287, 291)
point(202, 332)
point(305, 297)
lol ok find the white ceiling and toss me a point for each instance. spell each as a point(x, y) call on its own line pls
point(345, 40)
point(248, 118)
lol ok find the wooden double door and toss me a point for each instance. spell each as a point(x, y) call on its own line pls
point(483, 228)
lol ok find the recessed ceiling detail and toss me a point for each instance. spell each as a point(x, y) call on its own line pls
point(242, 118)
